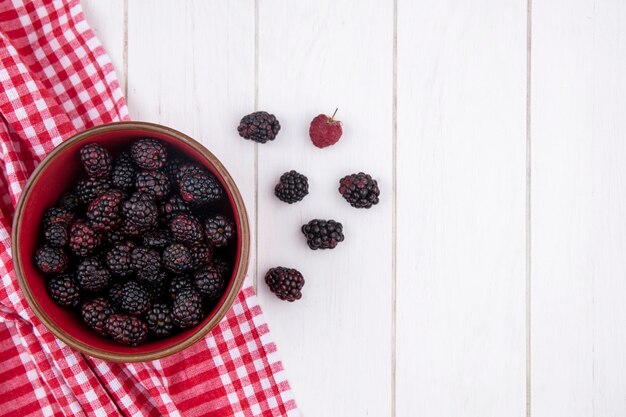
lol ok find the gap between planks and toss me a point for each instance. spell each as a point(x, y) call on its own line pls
point(394, 202)
point(528, 206)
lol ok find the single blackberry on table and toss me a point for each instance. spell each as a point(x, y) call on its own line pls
point(286, 283)
point(360, 190)
point(187, 310)
point(119, 259)
point(124, 173)
point(104, 213)
point(155, 183)
point(159, 320)
point(63, 290)
point(149, 154)
point(173, 206)
point(323, 234)
point(146, 262)
point(189, 168)
point(70, 202)
point(201, 254)
point(219, 230)
point(126, 330)
point(115, 295)
point(51, 260)
point(134, 298)
point(56, 235)
point(92, 276)
point(292, 187)
point(58, 215)
point(158, 238)
point(141, 210)
point(186, 228)
point(83, 239)
point(259, 126)
point(88, 189)
point(201, 188)
point(96, 161)
point(210, 280)
point(95, 313)
point(177, 258)
point(177, 284)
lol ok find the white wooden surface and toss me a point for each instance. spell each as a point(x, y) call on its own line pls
point(490, 279)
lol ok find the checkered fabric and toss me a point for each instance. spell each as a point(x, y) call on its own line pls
point(56, 79)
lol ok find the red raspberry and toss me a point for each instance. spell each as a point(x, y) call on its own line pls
point(325, 131)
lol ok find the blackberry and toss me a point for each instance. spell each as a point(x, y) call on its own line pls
point(63, 290)
point(58, 215)
point(201, 255)
point(172, 167)
point(140, 210)
point(115, 236)
point(119, 259)
point(286, 283)
point(323, 234)
point(259, 126)
point(83, 239)
point(129, 229)
point(88, 189)
point(149, 154)
point(56, 235)
point(51, 260)
point(186, 229)
point(360, 190)
point(134, 298)
point(70, 202)
point(126, 330)
point(159, 320)
point(219, 230)
point(115, 295)
point(201, 188)
point(124, 173)
point(210, 280)
point(155, 183)
point(95, 313)
point(187, 310)
point(177, 258)
point(292, 187)
point(104, 212)
point(173, 206)
point(157, 286)
point(159, 238)
point(96, 161)
point(189, 168)
point(177, 284)
point(92, 276)
point(146, 262)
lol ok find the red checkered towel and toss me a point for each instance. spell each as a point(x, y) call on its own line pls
point(56, 79)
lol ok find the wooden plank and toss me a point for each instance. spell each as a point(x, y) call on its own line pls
point(191, 67)
point(578, 194)
point(106, 18)
point(313, 57)
point(461, 170)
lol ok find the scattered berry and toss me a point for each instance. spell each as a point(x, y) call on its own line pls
point(177, 258)
point(292, 187)
point(187, 308)
point(51, 260)
point(360, 190)
point(201, 188)
point(92, 276)
point(325, 131)
point(63, 290)
point(95, 313)
point(323, 234)
point(124, 173)
point(83, 239)
point(104, 212)
point(126, 330)
point(88, 189)
point(56, 235)
point(259, 127)
point(141, 210)
point(96, 161)
point(134, 298)
point(149, 154)
point(155, 183)
point(119, 259)
point(159, 320)
point(286, 283)
point(219, 230)
point(186, 228)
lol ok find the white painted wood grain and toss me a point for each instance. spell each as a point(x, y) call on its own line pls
point(313, 57)
point(461, 92)
point(106, 18)
point(578, 196)
point(191, 67)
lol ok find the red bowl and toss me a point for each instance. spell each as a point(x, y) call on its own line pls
point(56, 174)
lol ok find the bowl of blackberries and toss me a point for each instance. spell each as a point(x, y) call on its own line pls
point(130, 241)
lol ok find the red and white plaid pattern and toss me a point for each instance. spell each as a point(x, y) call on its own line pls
point(56, 79)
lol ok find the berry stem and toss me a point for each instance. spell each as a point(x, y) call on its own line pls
point(332, 118)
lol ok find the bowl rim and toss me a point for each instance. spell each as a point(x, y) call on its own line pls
point(239, 211)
